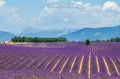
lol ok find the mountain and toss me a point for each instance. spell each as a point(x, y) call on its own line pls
point(35, 32)
point(5, 36)
point(103, 33)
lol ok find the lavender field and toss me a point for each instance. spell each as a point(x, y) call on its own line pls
point(60, 60)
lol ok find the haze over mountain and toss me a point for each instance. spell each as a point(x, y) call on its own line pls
point(103, 33)
point(35, 32)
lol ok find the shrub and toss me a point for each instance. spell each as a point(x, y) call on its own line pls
point(87, 42)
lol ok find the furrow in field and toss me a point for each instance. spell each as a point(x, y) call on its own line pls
point(56, 64)
point(97, 63)
point(117, 63)
point(93, 65)
point(116, 68)
point(111, 66)
point(14, 63)
point(76, 64)
point(89, 66)
point(101, 64)
point(31, 65)
point(64, 65)
point(73, 63)
point(50, 61)
point(5, 59)
point(31, 62)
point(46, 61)
point(21, 64)
point(81, 64)
point(68, 64)
point(39, 62)
point(54, 61)
point(106, 65)
point(8, 63)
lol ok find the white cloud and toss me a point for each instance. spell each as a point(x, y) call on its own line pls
point(52, 1)
point(79, 3)
point(2, 2)
point(66, 19)
point(10, 15)
point(48, 11)
point(10, 18)
point(110, 5)
point(63, 14)
point(77, 15)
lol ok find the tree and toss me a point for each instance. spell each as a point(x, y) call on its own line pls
point(97, 40)
point(37, 39)
point(87, 42)
point(15, 39)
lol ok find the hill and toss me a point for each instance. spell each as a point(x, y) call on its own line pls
point(103, 33)
point(4, 36)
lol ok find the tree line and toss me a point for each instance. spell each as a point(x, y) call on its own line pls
point(117, 39)
point(37, 39)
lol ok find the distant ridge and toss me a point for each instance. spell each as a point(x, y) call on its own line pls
point(102, 33)
point(5, 36)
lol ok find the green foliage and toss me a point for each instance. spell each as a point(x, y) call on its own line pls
point(37, 39)
point(117, 39)
point(87, 42)
point(97, 40)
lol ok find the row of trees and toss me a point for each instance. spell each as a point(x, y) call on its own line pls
point(37, 39)
point(117, 39)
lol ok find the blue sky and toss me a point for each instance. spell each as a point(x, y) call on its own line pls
point(15, 15)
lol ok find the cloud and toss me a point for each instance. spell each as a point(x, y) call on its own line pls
point(40, 19)
point(79, 3)
point(2, 3)
point(52, 1)
point(10, 15)
point(61, 14)
point(10, 18)
point(110, 5)
point(66, 19)
point(76, 15)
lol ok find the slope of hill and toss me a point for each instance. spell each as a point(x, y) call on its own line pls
point(4, 36)
point(94, 33)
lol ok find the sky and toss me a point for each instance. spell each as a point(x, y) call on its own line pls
point(16, 15)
